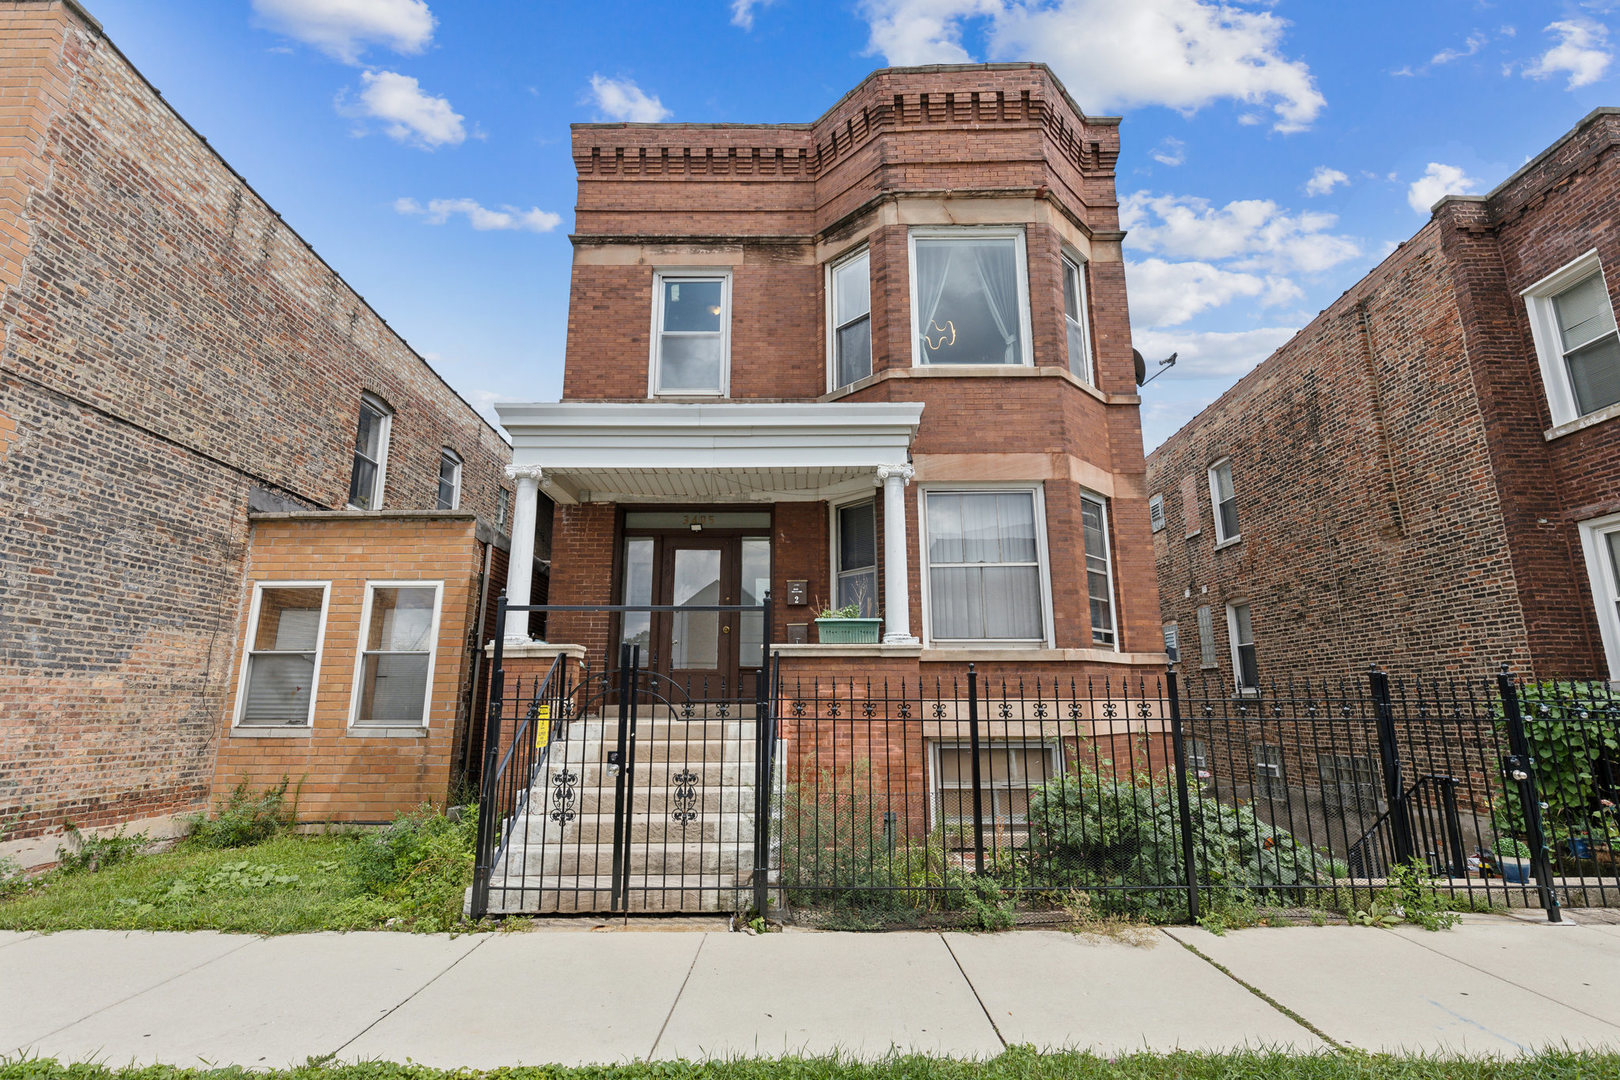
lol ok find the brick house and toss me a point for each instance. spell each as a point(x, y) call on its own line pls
point(202, 427)
point(882, 359)
point(1428, 475)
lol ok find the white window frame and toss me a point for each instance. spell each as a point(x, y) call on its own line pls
point(1156, 518)
point(690, 273)
point(1605, 587)
point(384, 434)
point(1041, 554)
point(247, 650)
point(1108, 558)
point(1089, 362)
point(1215, 502)
point(447, 454)
point(503, 509)
point(1538, 302)
point(833, 266)
point(936, 799)
point(1020, 256)
point(1233, 644)
point(360, 654)
point(833, 549)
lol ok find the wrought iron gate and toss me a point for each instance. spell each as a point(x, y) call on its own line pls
point(619, 788)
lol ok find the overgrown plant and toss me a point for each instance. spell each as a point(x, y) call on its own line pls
point(245, 817)
point(1119, 837)
point(420, 865)
point(1571, 732)
point(12, 878)
point(87, 854)
point(1409, 895)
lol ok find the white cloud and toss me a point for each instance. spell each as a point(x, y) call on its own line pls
point(344, 28)
point(742, 12)
point(1324, 180)
point(1438, 180)
point(1183, 54)
point(621, 99)
point(1166, 293)
point(1255, 234)
point(408, 113)
point(1582, 53)
point(1471, 45)
point(439, 211)
point(1214, 354)
point(1170, 151)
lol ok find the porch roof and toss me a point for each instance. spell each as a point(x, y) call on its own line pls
point(721, 452)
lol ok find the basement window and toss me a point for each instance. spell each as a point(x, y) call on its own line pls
point(394, 671)
point(1008, 772)
point(286, 625)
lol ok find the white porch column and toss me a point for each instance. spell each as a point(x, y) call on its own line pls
point(896, 590)
point(520, 565)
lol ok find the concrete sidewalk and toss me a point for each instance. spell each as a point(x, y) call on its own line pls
point(1494, 985)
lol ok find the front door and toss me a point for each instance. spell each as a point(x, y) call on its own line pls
point(701, 646)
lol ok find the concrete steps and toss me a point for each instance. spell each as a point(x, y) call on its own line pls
point(690, 812)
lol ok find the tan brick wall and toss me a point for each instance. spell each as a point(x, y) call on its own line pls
point(342, 776)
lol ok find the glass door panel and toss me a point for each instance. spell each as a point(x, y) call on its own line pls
point(695, 643)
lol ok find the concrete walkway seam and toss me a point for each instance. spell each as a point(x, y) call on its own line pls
point(147, 990)
point(1516, 985)
point(408, 997)
point(965, 978)
point(18, 939)
point(1259, 993)
point(689, 969)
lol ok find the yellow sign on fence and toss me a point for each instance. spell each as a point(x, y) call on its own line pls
point(542, 726)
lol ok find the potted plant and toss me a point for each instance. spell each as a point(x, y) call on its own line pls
point(845, 626)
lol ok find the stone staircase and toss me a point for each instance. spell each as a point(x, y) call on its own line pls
point(691, 818)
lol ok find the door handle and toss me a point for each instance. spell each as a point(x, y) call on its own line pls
point(726, 629)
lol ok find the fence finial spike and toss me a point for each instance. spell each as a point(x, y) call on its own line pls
point(1507, 667)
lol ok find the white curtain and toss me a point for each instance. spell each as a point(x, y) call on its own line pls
point(933, 268)
point(998, 274)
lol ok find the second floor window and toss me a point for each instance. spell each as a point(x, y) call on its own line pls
point(370, 454)
point(1223, 500)
point(691, 334)
point(852, 320)
point(449, 480)
point(1074, 319)
point(969, 297)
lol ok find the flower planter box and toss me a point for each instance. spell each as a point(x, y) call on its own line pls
point(848, 631)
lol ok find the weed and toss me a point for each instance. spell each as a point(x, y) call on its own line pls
point(1410, 896)
point(1086, 921)
point(987, 906)
point(87, 854)
point(421, 863)
point(243, 818)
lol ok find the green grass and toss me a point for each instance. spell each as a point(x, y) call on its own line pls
point(289, 884)
point(1016, 1064)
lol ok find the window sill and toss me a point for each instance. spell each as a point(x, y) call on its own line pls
point(1230, 541)
point(1246, 694)
point(290, 731)
point(982, 371)
point(380, 732)
point(1195, 534)
point(1558, 431)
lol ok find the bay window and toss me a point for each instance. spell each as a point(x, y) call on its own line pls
point(1099, 573)
point(394, 669)
point(985, 575)
point(1075, 318)
point(969, 297)
point(851, 334)
point(691, 338)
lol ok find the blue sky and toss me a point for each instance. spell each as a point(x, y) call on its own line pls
point(1272, 152)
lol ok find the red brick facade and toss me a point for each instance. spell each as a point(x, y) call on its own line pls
point(774, 205)
point(169, 351)
point(1404, 494)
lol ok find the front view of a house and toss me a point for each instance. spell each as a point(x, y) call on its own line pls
point(881, 364)
point(879, 360)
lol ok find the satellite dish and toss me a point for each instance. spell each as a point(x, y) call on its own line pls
point(1141, 367)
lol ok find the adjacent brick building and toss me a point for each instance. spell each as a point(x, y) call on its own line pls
point(174, 358)
point(1428, 475)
